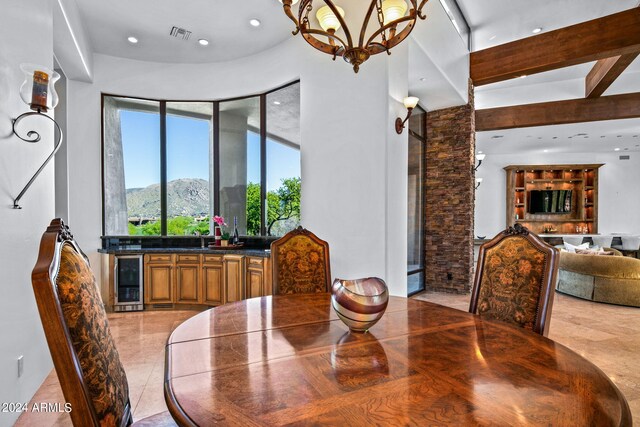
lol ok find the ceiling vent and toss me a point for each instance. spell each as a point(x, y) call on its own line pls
point(180, 33)
point(625, 157)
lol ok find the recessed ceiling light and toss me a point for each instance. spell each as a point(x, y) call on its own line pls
point(254, 22)
point(536, 30)
point(203, 42)
point(616, 149)
point(132, 40)
point(276, 102)
point(545, 151)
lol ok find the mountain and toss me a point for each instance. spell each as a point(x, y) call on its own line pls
point(185, 197)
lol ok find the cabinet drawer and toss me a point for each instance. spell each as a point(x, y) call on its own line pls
point(212, 258)
point(189, 258)
point(255, 261)
point(158, 258)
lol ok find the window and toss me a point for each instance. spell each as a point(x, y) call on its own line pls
point(168, 167)
point(415, 209)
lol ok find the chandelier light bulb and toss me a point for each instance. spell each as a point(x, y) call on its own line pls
point(327, 19)
point(393, 9)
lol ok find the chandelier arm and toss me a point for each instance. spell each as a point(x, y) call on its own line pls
point(320, 45)
point(286, 4)
point(343, 23)
point(410, 17)
point(365, 23)
point(419, 10)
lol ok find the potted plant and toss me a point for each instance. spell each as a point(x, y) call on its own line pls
point(218, 229)
point(225, 239)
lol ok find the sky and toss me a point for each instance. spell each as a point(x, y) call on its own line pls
point(188, 151)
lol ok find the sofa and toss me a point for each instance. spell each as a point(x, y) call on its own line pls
point(612, 279)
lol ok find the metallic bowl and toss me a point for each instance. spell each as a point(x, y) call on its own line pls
point(359, 303)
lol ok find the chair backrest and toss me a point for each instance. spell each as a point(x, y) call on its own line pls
point(515, 280)
point(75, 324)
point(300, 263)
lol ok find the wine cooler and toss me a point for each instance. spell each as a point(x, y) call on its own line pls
point(128, 283)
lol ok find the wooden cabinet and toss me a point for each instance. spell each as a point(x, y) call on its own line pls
point(158, 279)
point(570, 190)
point(188, 271)
point(234, 277)
point(212, 280)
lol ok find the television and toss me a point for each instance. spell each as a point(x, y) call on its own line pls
point(550, 201)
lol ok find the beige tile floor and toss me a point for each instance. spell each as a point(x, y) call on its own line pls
point(607, 335)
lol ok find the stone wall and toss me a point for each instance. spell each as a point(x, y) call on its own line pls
point(449, 199)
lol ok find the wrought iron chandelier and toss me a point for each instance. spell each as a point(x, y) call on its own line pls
point(395, 20)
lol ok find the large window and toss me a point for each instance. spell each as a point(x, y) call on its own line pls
point(415, 231)
point(168, 167)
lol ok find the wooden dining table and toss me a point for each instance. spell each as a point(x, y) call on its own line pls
point(280, 360)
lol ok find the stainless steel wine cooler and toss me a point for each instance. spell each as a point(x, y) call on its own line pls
point(128, 283)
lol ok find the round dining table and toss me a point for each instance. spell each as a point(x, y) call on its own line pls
point(289, 359)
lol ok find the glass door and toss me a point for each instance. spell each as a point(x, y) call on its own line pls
point(415, 209)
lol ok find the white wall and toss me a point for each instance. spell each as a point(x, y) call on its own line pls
point(352, 166)
point(25, 36)
point(618, 191)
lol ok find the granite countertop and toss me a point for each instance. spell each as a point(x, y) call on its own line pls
point(196, 250)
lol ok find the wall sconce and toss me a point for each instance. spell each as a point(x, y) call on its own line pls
point(410, 103)
point(478, 182)
point(38, 92)
point(479, 157)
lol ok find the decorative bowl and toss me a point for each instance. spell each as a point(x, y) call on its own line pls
point(359, 303)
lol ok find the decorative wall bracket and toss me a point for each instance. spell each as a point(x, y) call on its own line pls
point(33, 137)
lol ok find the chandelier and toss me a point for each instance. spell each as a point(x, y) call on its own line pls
point(386, 24)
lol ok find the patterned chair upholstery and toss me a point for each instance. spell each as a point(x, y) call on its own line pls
point(515, 280)
point(300, 263)
point(84, 354)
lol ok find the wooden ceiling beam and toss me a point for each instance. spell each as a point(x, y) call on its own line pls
point(615, 107)
point(605, 72)
point(606, 37)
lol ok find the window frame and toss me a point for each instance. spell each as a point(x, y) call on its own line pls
point(262, 98)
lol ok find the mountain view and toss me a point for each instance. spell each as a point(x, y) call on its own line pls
point(185, 197)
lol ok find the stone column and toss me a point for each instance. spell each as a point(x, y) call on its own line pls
point(449, 200)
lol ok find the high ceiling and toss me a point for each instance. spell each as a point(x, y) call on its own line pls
point(224, 23)
point(495, 22)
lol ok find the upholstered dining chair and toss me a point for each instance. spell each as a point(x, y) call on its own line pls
point(75, 323)
point(515, 280)
point(300, 263)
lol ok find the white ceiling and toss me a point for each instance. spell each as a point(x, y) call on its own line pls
point(510, 20)
point(496, 22)
point(225, 23)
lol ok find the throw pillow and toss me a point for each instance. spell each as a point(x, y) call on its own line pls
point(572, 248)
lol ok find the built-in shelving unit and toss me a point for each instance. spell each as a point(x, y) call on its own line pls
point(578, 183)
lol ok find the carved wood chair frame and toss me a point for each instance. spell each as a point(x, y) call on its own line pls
point(65, 359)
point(549, 277)
point(293, 233)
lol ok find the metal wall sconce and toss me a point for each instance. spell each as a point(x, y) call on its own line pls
point(478, 182)
point(38, 92)
point(410, 103)
point(479, 157)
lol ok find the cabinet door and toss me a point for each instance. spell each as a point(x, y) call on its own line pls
point(255, 277)
point(158, 284)
point(234, 277)
point(212, 281)
point(187, 289)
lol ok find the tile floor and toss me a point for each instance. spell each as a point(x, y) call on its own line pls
point(607, 335)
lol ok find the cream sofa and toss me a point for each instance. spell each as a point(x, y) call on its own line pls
point(611, 279)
